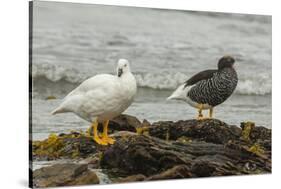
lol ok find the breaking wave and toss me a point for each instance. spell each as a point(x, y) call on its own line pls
point(258, 84)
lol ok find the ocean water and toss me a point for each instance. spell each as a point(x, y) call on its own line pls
point(72, 42)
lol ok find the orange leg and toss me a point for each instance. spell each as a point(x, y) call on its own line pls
point(96, 136)
point(105, 136)
point(200, 115)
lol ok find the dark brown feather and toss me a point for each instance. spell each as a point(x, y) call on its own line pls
point(204, 75)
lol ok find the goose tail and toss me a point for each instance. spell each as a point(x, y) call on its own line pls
point(179, 93)
point(58, 111)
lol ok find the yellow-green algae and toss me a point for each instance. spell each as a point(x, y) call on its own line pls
point(143, 130)
point(54, 146)
point(49, 147)
point(184, 139)
point(257, 149)
point(248, 126)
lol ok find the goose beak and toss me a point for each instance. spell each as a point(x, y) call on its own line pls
point(120, 71)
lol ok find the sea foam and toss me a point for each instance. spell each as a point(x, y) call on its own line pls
point(258, 84)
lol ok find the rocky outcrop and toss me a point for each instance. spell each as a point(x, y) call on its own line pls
point(68, 174)
point(161, 150)
point(124, 123)
point(79, 144)
point(176, 172)
point(212, 130)
point(150, 156)
point(72, 145)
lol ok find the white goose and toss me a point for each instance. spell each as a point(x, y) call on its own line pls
point(101, 98)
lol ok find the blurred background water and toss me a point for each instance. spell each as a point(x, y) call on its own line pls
point(72, 42)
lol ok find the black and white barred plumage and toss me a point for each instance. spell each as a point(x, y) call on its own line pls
point(209, 88)
point(215, 90)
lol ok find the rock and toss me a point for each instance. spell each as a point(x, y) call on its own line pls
point(123, 134)
point(145, 123)
point(124, 123)
point(166, 149)
point(64, 175)
point(258, 137)
point(177, 172)
point(150, 156)
point(260, 133)
point(141, 155)
point(132, 178)
point(209, 130)
point(72, 145)
point(215, 165)
point(92, 161)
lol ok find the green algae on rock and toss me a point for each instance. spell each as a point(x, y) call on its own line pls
point(72, 145)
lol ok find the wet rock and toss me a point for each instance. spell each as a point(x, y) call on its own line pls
point(72, 145)
point(142, 155)
point(145, 123)
point(219, 165)
point(64, 175)
point(150, 156)
point(124, 123)
point(261, 133)
point(123, 134)
point(132, 178)
point(177, 172)
point(209, 130)
point(166, 149)
point(92, 161)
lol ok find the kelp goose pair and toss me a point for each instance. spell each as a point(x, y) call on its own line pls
point(104, 96)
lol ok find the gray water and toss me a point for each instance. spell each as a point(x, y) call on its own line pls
point(72, 42)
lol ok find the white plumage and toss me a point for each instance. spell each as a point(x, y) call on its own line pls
point(181, 94)
point(102, 97)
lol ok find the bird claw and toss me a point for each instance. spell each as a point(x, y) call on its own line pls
point(200, 118)
point(100, 141)
point(108, 140)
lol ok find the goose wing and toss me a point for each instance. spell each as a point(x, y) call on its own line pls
point(204, 75)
